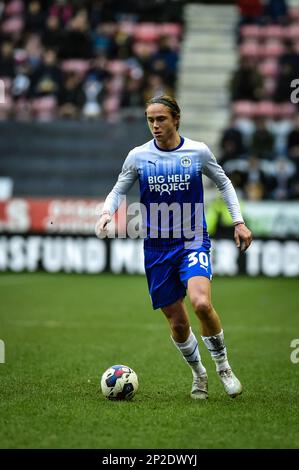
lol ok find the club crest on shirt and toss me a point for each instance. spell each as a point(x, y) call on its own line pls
point(186, 162)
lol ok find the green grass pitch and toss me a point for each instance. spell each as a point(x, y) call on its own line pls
point(62, 331)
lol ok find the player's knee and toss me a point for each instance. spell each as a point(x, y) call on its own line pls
point(202, 306)
point(180, 329)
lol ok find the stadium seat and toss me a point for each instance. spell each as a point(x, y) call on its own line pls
point(44, 108)
point(170, 29)
point(269, 85)
point(12, 25)
point(144, 49)
point(250, 31)
point(292, 32)
point(286, 110)
point(272, 32)
point(79, 66)
point(6, 108)
point(111, 106)
point(294, 13)
point(127, 27)
point(116, 67)
point(146, 32)
point(265, 108)
point(243, 109)
point(272, 48)
point(268, 68)
point(15, 7)
point(249, 49)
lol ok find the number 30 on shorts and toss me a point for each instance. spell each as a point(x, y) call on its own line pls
point(201, 258)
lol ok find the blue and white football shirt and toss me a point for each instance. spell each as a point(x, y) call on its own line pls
point(173, 179)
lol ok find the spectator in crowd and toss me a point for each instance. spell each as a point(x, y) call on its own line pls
point(231, 143)
point(246, 82)
point(71, 97)
point(290, 56)
point(283, 174)
point(293, 143)
point(7, 66)
point(96, 33)
point(255, 180)
point(262, 142)
point(155, 87)
point(276, 11)
point(47, 78)
point(35, 17)
point(63, 10)
point(52, 37)
point(164, 61)
point(76, 40)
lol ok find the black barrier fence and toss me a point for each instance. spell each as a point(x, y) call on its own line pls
point(90, 255)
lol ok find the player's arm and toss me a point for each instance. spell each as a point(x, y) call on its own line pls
point(215, 172)
point(125, 181)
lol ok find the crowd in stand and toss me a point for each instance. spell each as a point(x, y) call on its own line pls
point(260, 147)
point(86, 59)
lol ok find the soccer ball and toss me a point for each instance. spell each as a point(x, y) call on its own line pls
point(119, 383)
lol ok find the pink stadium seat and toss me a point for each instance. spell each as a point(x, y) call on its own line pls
point(111, 108)
point(294, 13)
point(286, 110)
point(146, 32)
point(292, 32)
point(127, 27)
point(12, 25)
point(116, 67)
point(243, 108)
point(142, 49)
point(273, 32)
point(265, 108)
point(251, 31)
point(6, 108)
point(268, 68)
point(269, 86)
point(79, 66)
point(249, 49)
point(44, 108)
point(272, 48)
point(115, 85)
point(15, 7)
point(23, 110)
point(170, 29)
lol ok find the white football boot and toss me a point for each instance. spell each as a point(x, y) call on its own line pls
point(199, 390)
point(232, 385)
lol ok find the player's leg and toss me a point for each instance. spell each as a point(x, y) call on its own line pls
point(186, 342)
point(199, 289)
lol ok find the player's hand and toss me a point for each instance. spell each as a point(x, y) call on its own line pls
point(102, 225)
point(242, 236)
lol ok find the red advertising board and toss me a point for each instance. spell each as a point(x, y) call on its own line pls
point(71, 216)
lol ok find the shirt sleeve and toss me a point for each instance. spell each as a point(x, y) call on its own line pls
point(215, 172)
point(125, 181)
